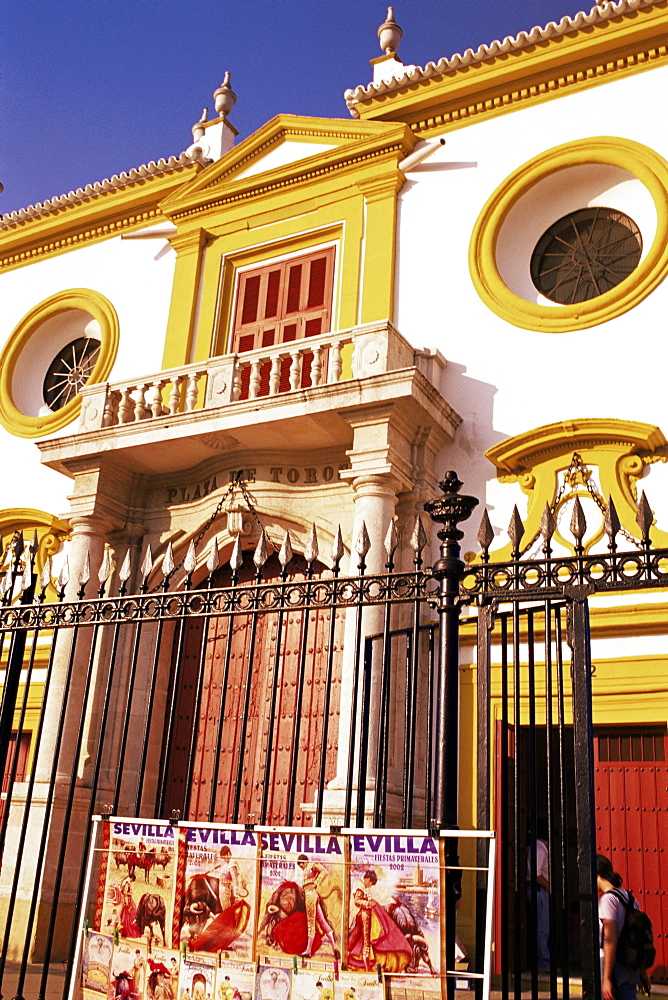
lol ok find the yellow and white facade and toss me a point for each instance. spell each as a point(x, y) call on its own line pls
point(438, 350)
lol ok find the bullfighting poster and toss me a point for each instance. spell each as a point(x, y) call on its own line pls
point(272, 983)
point(197, 980)
point(394, 910)
point(162, 982)
point(138, 881)
point(128, 970)
point(235, 981)
point(302, 878)
point(311, 984)
point(96, 963)
point(218, 904)
point(359, 986)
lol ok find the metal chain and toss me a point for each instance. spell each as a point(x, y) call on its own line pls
point(578, 465)
point(249, 503)
point(239, 484)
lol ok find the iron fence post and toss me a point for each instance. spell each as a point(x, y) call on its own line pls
point(583, 736)
point(12, 682)
point(448, 510)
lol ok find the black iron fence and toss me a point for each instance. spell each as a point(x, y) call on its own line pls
point(277, 691)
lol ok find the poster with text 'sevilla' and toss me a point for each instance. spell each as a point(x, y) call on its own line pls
point(394, 904)
point(218, 907)
point(138, 881)
point(301, 895)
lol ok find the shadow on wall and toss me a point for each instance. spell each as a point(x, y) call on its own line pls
point(474, 401)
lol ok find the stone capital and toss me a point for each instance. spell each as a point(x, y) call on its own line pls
point(189, 242)
point(382, 188)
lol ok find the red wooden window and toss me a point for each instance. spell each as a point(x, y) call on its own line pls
point(279, 303)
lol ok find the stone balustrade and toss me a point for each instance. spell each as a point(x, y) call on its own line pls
point(360, 352)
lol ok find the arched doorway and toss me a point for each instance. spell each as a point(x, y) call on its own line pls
point(250, 735)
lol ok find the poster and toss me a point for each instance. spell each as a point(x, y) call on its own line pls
point(218, 908)
point(197, 979)
point(311, 984)
point(235, 981)
point(128, 970)
point(162, 981)
point(394, 910)
point(414, 987)
point(301, 895)
point(139, 876)
point(359, 986)
point(96, 963)
point(273, 983)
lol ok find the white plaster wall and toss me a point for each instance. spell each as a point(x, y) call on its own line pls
point(504, 380)
point(136, 276)
point(286, 152)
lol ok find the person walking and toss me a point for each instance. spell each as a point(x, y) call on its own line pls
point(617, 981)
point(541, 877)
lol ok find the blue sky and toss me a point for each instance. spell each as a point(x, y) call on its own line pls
point(92, 87)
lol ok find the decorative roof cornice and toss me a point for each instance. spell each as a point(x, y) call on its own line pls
point(599, 15)
point(154, 168)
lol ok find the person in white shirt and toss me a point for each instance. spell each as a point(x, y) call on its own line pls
point(617, 982)
point(542, 879)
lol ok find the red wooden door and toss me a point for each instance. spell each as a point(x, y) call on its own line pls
point(23, 748)
point(235, 714)
point(632, 820)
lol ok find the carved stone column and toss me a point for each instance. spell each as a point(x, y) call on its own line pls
point(375, 498)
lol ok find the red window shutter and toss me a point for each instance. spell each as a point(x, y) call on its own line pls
point(294, 303)
point(273, 293)
point(251, 298)
point(317, 283)
point(280, 304)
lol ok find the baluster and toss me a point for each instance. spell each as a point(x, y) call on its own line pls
point(316, 365)
point(175, 394)
point(126, 407)
point(191, 391)
point(275, 375)
point(236, 381)
point(295, 369)
point(254, 387)
point(110, 414)
point(155, 399)
point(141, 410)
point(335, 362)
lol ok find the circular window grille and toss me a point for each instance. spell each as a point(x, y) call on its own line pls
point(585, 254)
point(69, 371)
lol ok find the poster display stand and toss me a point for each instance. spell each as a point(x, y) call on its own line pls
point(196, 911)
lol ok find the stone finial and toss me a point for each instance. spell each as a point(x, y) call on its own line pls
point(389, 33)
point(224, 97)
point(198, 128)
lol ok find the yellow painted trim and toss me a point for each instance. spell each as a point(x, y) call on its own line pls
point(98, 218)
point(213, 189)
point(619, 448)
point(183, 303)
point(11, 418)
point(51, 533)
point(605, 623)
point(351, 139)
point(650, 168)
point(576, 61)
point(347, 194)
point(521, 452)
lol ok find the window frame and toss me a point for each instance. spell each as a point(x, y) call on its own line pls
point(287, 325)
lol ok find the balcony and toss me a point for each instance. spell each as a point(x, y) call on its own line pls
point(301, 395)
